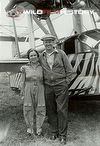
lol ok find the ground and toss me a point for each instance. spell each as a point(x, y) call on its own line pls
point(83, 127)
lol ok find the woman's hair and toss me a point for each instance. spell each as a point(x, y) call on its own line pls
point(31, 50)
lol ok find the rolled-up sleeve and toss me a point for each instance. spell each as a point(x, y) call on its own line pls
point(22, 69)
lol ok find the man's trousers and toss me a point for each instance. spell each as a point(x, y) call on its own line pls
point(56, 98)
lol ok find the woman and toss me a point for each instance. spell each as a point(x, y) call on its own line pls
point(33, 93)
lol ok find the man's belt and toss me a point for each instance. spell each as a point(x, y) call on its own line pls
point(55, 81)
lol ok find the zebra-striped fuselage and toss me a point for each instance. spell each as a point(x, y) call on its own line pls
point(87, 80)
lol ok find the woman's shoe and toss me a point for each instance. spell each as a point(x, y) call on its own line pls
point(39, 131)
point(63, 140)
point(30, 131)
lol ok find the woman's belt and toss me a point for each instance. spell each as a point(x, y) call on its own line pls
point(32, 80)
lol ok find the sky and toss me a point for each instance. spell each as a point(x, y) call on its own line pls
point(63, 25)
point(6, 47)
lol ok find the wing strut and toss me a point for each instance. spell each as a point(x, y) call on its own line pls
point(31, 31)
point(38, 22)
point(16, 39)
point(51, 28)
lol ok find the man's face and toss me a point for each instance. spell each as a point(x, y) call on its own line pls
point(48, 43)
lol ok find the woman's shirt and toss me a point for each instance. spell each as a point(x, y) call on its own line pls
point(32, 72)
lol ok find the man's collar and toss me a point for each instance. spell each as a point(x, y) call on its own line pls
point(55, 50)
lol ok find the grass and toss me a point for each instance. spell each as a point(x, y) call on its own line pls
point(83, 127)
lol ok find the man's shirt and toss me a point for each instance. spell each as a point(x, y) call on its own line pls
point(50, 57)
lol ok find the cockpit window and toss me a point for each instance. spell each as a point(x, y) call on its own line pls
point(69, 45)
point(85, 42)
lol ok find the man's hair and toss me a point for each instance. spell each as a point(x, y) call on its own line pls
point(31, 50)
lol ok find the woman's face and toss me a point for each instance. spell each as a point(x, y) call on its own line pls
point(33, 57)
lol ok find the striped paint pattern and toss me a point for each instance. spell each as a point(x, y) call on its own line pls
point(87, 67)
point(15, 80)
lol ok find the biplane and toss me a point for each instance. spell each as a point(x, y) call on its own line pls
point(82, 48)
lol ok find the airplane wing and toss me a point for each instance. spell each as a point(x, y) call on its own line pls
point(12, 65)
point(12, 39)
point(41, 4)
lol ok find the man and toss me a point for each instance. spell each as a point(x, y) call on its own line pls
point(57, 74)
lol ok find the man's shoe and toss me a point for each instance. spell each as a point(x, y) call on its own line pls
point(63, 141)
point(53, 137)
